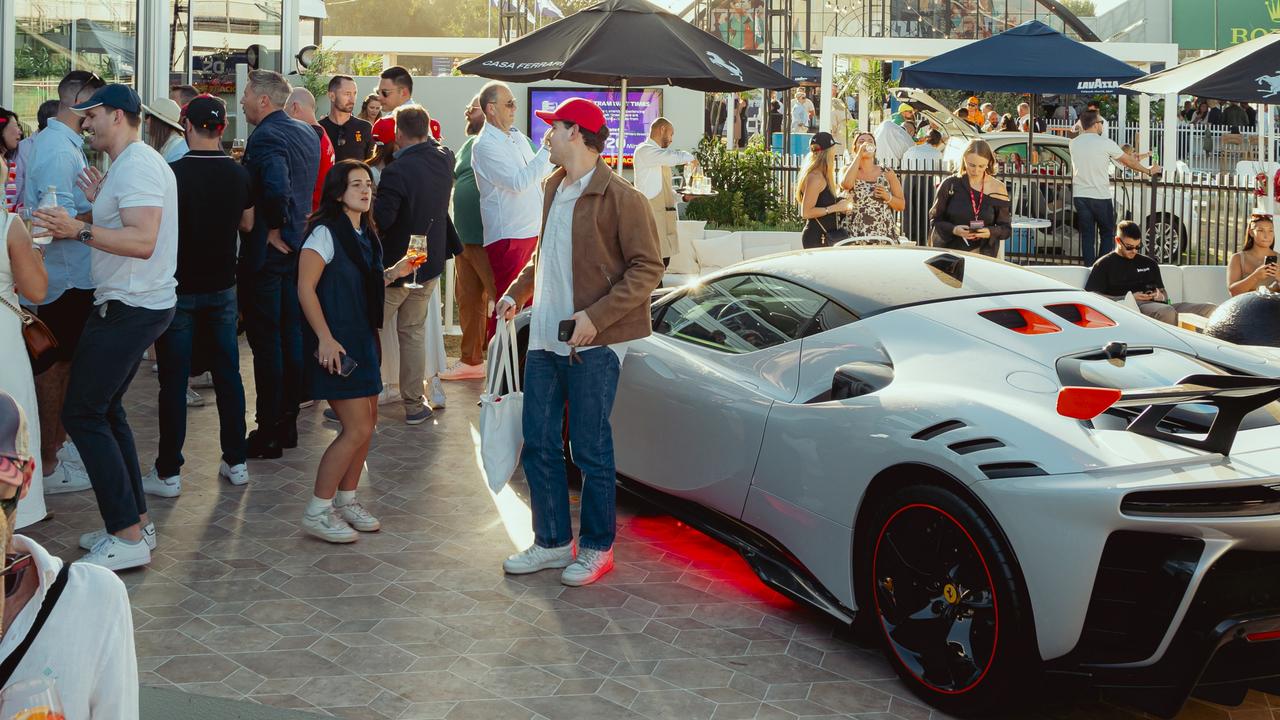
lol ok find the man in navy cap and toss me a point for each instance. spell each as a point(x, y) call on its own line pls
point(592, 218)
point(134, 238)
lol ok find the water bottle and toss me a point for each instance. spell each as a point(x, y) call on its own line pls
point(48, 201)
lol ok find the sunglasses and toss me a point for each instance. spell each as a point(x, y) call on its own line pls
point(16, 471)
point(385, 93)
point(1131, 248)
point(15, 569)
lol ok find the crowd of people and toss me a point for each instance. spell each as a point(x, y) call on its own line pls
point(325, 242)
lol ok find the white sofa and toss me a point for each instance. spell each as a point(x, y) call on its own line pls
point(703, 251)
point(1185, 283)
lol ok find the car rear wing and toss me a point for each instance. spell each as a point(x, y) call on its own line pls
point(1234, 396)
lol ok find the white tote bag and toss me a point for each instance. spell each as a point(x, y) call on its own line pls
point(501, 434)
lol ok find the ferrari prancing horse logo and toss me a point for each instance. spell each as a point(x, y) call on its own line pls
point(951, 594)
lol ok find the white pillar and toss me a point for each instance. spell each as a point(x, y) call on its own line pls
point(8, 49)
point(864, 102)
point(729, 119)
point(1122, 114)
point(1169, 153)
point(242, 80)
point(828, 79)
point(1144, 123)
point(153, 49)
point(289, 46)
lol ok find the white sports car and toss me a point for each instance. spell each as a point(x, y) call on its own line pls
point(1002, 474)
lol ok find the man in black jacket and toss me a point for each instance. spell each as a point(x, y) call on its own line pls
point(413, 199)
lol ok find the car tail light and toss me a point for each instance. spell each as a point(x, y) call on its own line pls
point(1263, 636)
point(1081, 315)
point(1086, 403)
point(1021, 321)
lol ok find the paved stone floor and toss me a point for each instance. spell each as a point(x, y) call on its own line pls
point(418, 621)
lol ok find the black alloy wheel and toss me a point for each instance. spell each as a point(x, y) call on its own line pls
point(946, 597)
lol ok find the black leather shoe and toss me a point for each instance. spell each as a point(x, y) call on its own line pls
point(262, 446)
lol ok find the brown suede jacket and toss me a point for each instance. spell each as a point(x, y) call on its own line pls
point(616, 265)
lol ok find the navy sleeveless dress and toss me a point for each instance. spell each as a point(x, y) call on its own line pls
point(346, 298)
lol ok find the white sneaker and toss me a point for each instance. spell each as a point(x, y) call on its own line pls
point(306, 404)
point(390, 393)
point(155, 367)
point(69, 453)
point(203, 380)
point(235, 474)
point(88, 540)
point(166, 487)
point(194, 399)
point(68, 477)
point(359, 518)
point(437, 393)
point(537, 558)
point(590, 566)
point(463, 371)
point(113, 553)
point(329, 526)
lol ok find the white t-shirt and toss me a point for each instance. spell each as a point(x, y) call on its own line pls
point(138, 178)
point(799, 113)
point(922, 157)
point(86, 646)
point(1091, 156)
point(321, 241)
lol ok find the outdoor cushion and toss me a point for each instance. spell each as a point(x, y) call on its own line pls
point(685, 260)
point(1204, 283)
point(716, 249)
point(1172, 277)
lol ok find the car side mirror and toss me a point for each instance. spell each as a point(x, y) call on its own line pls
point(860, 378)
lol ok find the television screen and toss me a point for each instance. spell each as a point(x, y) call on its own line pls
point(643, 107)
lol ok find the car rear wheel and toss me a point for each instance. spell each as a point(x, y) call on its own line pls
point(947, 600)
point(1166, 237)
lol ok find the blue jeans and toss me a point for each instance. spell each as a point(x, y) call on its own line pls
point(589, 387)
point(273, 323)
point(114, 338)
point(1095, 219)
point(212, 317)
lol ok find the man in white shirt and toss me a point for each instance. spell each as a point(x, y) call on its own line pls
point(85, 643)
point(134, 237)
point(509, 176)
point(801, 112)
point(925, 156)
point(1091, 158)
point(654, 159)
point(593, 219)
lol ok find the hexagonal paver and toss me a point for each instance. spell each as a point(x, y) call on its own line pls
point(196, 668)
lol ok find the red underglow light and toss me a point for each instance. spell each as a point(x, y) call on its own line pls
point(1263, 636)
point(1086, 403)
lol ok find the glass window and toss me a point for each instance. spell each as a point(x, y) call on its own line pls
point(57, 36)
point(745, 313)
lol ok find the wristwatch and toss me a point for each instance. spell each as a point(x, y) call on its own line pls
point(86, 234)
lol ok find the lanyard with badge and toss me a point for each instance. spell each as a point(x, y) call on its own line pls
point(976, 223)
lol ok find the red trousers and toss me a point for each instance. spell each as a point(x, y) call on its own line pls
point(507, 257)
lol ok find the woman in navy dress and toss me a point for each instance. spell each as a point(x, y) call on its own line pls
point(341, 278)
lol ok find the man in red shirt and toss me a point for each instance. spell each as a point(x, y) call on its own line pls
point(302, 106)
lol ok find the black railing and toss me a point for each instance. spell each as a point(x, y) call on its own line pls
point(1188, 219)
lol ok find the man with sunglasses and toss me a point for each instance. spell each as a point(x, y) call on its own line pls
point(1126, 270)
point(351, 136)
point(99, 680)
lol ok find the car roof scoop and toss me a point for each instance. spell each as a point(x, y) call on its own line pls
point(948, 268)
point(1116, 352)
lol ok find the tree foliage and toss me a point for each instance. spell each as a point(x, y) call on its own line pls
point(1081, 8)
point(423, 18)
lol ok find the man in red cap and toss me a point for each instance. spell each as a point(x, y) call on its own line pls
point(593, 219)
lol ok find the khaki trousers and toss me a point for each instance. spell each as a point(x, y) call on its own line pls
point(405, 309)
point(474, 291)
point(1169, 313)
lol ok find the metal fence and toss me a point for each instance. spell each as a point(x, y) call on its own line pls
point(1203, 148)
point(1187, 218)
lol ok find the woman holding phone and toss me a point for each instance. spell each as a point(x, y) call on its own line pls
point(875, 195)
point(972, 210)
point(1255, 265)
point(340, 288)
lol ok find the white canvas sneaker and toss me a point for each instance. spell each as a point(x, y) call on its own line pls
point(88, 540)
point(69, 453)
point(536, 558)
point(590, 566)
point(166, 487)
point(463, 371)
point(437, 393)
point(329, 526)
point(235, 474)
point(194, 399)
point(359, 518)
point(202, 381)
point(113, 553)
point(68, 477)
point(390, 393)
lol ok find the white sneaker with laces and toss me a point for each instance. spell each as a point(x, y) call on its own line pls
point(69, 453)
point(357, 517)
point(113, 553)
point(203, 380)
point(463, 371)
point(88, 540)
point(68, 477)
point(235, 474)
point(390, 393)
point(166, 487)
point(590, 566)
point(329, 526)
point(194, 399)
point(536, 558)
point(437, 393)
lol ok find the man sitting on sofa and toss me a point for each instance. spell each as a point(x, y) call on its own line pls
point(1125, 270)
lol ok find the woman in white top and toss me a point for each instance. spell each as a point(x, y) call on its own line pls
point(21, 264)
point(1255, 265)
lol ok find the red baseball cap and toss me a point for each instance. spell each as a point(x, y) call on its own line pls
point(384, 131)
point(576, 110)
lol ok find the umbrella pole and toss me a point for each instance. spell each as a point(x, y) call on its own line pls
point(622, 125)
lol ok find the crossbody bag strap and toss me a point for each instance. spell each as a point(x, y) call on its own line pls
point(24, 317)
point(46, 608)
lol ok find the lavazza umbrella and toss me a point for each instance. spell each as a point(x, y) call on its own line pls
point(598, 46)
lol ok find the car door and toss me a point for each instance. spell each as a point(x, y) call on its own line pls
point(693, 398)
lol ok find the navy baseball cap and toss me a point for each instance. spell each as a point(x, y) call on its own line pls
point(206, 111)
point(115, 95)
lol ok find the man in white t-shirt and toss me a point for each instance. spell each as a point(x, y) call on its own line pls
point(134, 237)
point(801, 112)
point(1091, 158)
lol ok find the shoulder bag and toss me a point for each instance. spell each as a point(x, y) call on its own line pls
point(37, 336)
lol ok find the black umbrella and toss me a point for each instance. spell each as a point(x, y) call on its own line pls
point(621, 42)
point(1248, 73)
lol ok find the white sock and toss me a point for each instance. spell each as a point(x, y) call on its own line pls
point(318, 506)
point(345, 497)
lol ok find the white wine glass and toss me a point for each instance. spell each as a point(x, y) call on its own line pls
point(237, 148)
point(31, 700)
point(417, 254)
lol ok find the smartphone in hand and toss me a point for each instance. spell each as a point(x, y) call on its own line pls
point(564, 331)
point(347, 366)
